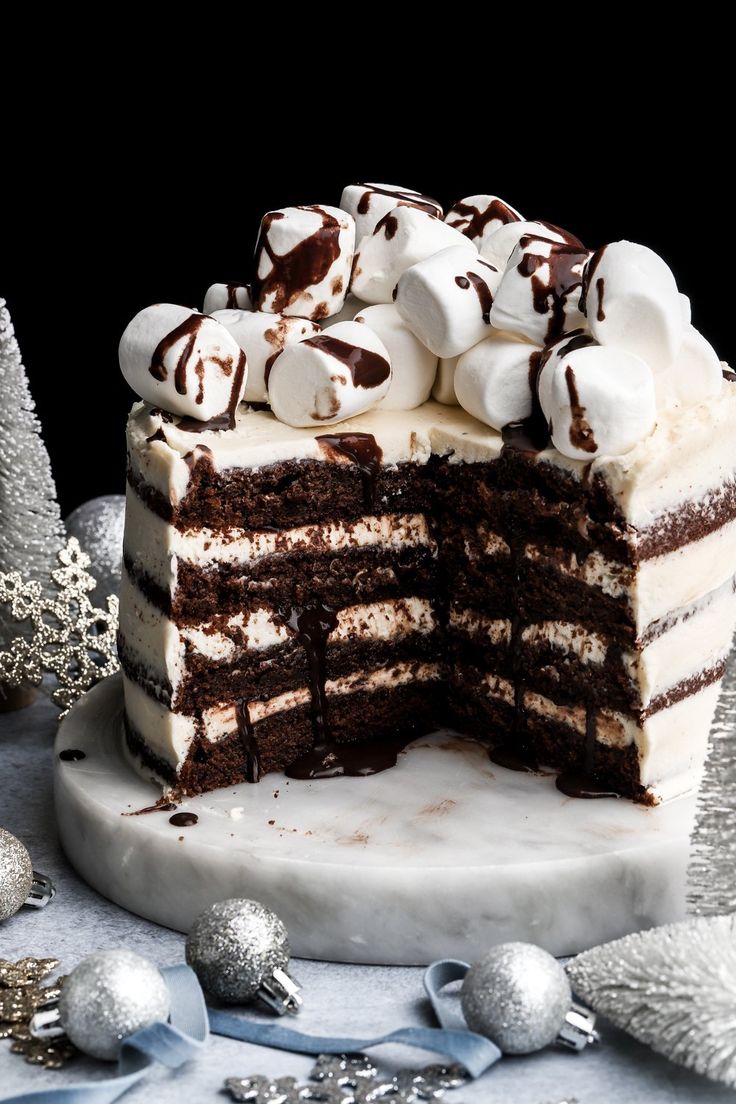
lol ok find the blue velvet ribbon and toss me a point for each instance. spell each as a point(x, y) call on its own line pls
point(179, 1041)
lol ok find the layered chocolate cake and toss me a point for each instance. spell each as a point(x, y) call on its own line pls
point(322, 564)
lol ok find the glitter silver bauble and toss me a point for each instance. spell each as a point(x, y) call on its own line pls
point(98, 526)
point(234, 946)
point(16, 874)
point(518, 996)
point(107, 997)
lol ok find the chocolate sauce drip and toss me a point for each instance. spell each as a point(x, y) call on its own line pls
point(533, 433)
point(249, 742)
point(312, 626)
point(305, 265)
point(363, 450)
point(367, 369)
point(578, 339)
point(403, 199)
point(600, 288)
point(478, 220)
point(71, 755)
point(567, 237)
point(212, 425)
point(728, 375)
point(183, 820)
point(163, 805)
point(188, 329)
point(269, 365)
point(389, 224)
point(232, 294)
point(192, 458)
point(551, 294)
point(482, 290)
point(352, 760)
point(581, 435)
point(157, 412)
point(583, 782)
point(588, 275)
point(159, 435)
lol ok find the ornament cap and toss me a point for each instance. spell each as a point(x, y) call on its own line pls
point(45, 1023)
point(578, 1029)
point(43, 890)
point(281, 993)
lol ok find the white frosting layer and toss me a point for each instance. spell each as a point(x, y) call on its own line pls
point(169, 735)
point(159, 547)
point(689, 454)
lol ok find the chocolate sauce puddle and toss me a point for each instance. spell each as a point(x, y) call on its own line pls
point(354, 760)
point(184, 820)
point(364, 451)
point(582, 783)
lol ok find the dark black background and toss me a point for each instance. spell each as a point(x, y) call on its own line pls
point(108, 240)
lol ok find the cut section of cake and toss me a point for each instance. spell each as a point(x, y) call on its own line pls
point(548, 567)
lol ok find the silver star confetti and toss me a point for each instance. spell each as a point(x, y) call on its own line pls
point(65, 636)
point(349, 1079)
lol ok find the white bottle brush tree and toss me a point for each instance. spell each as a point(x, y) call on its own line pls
point(31, 529)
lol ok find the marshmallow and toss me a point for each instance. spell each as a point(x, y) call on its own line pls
point(539, 293)
point(632, 303)
point(330, 377)
point(479, 216)
point(687, 315)
point(303, 261)
point(498, 244)
point(352, 306)
point(185, 362)
point(227, 297)
point(493, 380)
point(402, 238)
point(413, 365)
point(446, 300)
point(368, 203)
point(598, 400)
point(444, 384)
point(695, 374)
point(262, 337)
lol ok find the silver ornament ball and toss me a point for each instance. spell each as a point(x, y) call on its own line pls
point(107, 997)
point(233, 945)
point(98, 526)
point(16, 874)
point(517, 995)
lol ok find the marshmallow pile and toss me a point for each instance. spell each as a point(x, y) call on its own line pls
point(385, 300)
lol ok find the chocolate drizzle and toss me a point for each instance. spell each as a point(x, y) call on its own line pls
point(163, 805)
point(71, 755)
point(188, 329)
point(363, 450)
point(368, 369)
point(212, 425)
point(158, 435)
point(403, 199)
point(581, 435)
point(312, 626)
point(550, 295)
point(232, 294)
point(305, 265)
point(583, 782)
point(183, 820)
point(249, 742)
point(388, 225)
point(482, 290)
point(588, 274)
point(472, 222)
point(533, 433)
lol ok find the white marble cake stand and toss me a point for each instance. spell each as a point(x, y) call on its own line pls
point(445, 854)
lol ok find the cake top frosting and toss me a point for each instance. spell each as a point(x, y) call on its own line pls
point(364, 306)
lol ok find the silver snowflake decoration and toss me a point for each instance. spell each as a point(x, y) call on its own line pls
point(68, 636)
point(349, 1079)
